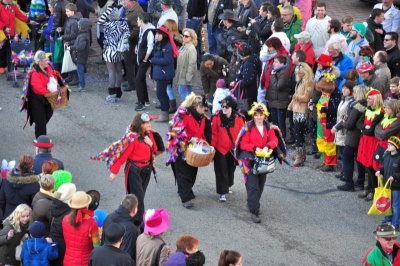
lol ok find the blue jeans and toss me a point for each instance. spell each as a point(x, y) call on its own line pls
point(278, 117)
point(212, 39)
point(195, 24)
point(162, 95)
point(394, 219)
point(184, 90)
point(170, 92)
point(80, 69)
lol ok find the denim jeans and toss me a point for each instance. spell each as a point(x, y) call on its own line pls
point(394, 219)
point(170, 92)
point(278, 117)
point(162, 95)
point(184, 90)
point(212, 38)
point(80, 69)
point(196, 24)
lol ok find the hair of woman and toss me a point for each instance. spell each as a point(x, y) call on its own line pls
point(25, 164)
point(304, 68)
point(228, 257)
point(137, 122)
point(15, 216)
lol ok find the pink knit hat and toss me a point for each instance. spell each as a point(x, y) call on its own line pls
point(220, 83)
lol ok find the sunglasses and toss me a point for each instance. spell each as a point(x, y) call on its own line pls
point(389, 238)
point(225, 106)
point(186, 36)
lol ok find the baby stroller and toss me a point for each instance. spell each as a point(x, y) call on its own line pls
point(21, 56)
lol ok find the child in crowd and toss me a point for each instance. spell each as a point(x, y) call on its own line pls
point(80, 51)
point(45, 38)
point(394, 92)
point(37, 250)
point(185, 245)
point(390, 170)
point(220, 93)
point(71, 32)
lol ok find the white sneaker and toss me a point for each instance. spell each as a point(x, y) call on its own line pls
point(230, 191)
point(222, 198)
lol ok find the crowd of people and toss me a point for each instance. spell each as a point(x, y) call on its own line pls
point(336, 81)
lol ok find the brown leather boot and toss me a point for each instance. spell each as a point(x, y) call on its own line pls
point(299, 160)
point(164, 117)
point(328, 168)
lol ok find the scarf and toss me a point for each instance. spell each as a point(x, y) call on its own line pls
point(227, 122)
point(266, 75)
point(80, 214)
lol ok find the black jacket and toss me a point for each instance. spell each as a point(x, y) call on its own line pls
point(121, 216)
point(222, 5)
point(84, 8)
point(377, 45)
point(110, 255)
point(196, 8)
point(81, 47)
point(249, 75)
point(60, 18)
point(228, 37)
point(246, 12)
point(260, 32)
point(394, 61)
point(391, 167)
point(353, 134)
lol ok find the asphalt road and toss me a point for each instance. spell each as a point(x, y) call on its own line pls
point(305, 220)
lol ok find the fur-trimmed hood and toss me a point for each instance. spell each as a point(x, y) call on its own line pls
point(17, 180)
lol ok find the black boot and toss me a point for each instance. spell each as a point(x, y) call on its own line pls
point(172, 106)
point(118, 91)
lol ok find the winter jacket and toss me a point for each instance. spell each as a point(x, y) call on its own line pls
point(131, 16)
point(163, 63)
point(110, 255)
point(252, 139)
point(176, 259)
point(331, 110)
point(394, 61)
point(376, 256)
point(291, 28)
point(209, 77)
point(377, 83)
point(226, 39)
point(342, 113)
point(353, 134)
point(58, 210)
point(41, 206)
point(278, 95)
point(80, 48)
point(301, 97)
point(391, 167)
point(8, 245)
point(377, 45)
point(310, 54)
point(221, 140)
point(83, 7)
point(390, 95)
point(147, 248)
point(260, 32)
point(392, 18)
point(40, 158)
point(49, 27)
point(383, 73)
point(246, 12)
point(215, 9)
point(196, 8)
point(38, 252)
point(60, 18)
point(17, 189)
point(187, 65)
point(8, 15)
point(71, 30)
point(121, 216)
point(79, 241)
point(354, 49)
point(344, 64)
point(249, 75)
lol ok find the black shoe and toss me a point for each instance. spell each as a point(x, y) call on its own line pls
point(312, 152)
point(158, 105)
point(317, 155)
point(139, 107)
point(358, 187)
point(339, 175)
point(289, 140)
point(346, 188)
point(369, 197)
point(255, 218)
point(68, 79)
point(364, 194)
point(342, 178)
point(129, 88)
point(74, 82)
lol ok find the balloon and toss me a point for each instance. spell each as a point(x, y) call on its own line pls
point(99, 216)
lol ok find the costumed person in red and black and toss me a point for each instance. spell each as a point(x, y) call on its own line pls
point(327, 107)
point(138, 148)
point(9, 12)
point(189, 125)
point(226, 124)
point(256, 136)
point(367, 124)
point(40, 80)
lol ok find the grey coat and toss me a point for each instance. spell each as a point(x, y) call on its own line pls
point(342, 115)
point(80, 49)
point(186, 65)
point(8, 246)
point(383, 72)
point(71, 30)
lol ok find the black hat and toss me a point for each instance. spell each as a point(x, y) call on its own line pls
point(243, 49)
point(197, 258)
point(228, 14)
point(113, 233)
point(94, 204)
point(167, 2)
point(229, 101)
point(385, 230)
point(43, 141)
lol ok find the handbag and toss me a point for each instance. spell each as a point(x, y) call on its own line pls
point(382, 203)
point(263, 165)
point(58, 50)
point(243, 105)
point(67, 65)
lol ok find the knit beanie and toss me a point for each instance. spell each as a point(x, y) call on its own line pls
point(37, 229)
point(220, 84)
point(360, 28)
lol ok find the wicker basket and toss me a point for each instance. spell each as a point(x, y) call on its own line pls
point(59, 98)
point(198, 160)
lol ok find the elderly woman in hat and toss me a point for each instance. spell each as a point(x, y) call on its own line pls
point(80, 230)
point(257, 136)
point(42, 80)
point(189, 125)
point(163, 71)
point(137, 148)
point(226, 124)
point(367, 123)
point(60, 208)
point(304, 43)
point(151, 249)
point(386, 250)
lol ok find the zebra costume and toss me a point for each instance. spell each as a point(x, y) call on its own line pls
point(114, 31)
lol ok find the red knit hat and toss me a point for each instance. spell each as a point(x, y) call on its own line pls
point(373, 92)
point(365, 67)
point(324, 60)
